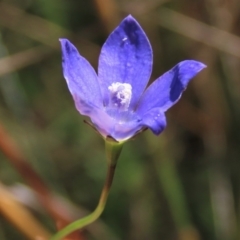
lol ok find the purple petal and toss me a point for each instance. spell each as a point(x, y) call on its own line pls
point(166, 90)
point(81, 79)
point(126, 131)
point(126, 57)
point(155, 120)
point(109, 126)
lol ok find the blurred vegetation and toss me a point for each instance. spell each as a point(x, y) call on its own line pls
point(182, 185)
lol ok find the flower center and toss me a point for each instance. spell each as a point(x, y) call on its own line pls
point(120, 95)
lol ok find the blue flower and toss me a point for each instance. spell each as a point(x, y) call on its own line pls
point(116, 100)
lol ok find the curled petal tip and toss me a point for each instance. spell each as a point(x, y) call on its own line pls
point(193, 64)
point(155, 120)
point(62, 40)
point(200, 65)
point(66, 45)
point(203, 65)
point(130, 19)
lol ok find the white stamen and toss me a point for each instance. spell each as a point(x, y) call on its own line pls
point(121, 94)
point(124, 39)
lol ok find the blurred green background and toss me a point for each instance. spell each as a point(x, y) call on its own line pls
point(181, 185)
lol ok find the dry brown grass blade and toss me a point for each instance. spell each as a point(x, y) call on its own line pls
point(21, 217)
point(108, 13)
point(36, 28)
point(143, 7)
point(55, 208)
point(23, 59)
point(201, 32)
point(30, 25)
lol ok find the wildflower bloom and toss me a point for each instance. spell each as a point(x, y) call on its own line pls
point(116, 100)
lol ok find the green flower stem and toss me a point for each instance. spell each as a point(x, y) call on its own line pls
point(113, 151)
